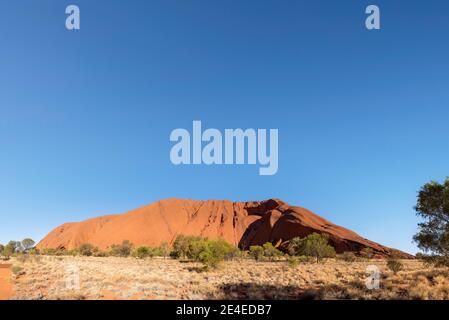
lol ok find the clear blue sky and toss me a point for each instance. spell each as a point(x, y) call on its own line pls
point(85, 116)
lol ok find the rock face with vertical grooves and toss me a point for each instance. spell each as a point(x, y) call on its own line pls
point(240, 223)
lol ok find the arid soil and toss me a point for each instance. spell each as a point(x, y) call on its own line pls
point(5, 282)
point(44, 277)
point(239, 223)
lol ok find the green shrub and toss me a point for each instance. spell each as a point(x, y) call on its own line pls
point(394, 265)
point(242, 254)
point(256, 252)
point(144, 252)
point(209, 259)
point(33, 251)
point(195, 247)
point(122, 250)
point(232, 253)
point(215, 251)
point(86, 249)
point(73, 252)
point(222, 249)
point(293, 261)
point(175, 254)
point(270, 251)
point(208, 252)
point(314, 245)
point(17, 270)
point(11, 248)
point(181, 246)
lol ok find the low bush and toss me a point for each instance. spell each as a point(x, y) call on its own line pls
point(17, 270)
point(293, 261)
point(143, 252)
point(86, 249)
point(182, 246)
point(271, 252)
point(208, 252)
point(256, 252)
point(314, 245)
point(121, 250)
point(394, 265)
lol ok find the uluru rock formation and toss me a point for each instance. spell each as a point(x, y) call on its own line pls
point(241, 223)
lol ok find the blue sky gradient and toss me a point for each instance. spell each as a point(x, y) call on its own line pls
point(85, 116)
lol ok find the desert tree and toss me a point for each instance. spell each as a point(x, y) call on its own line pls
point(27, 244)
point(182, 246)
point(433, 232)
point(314, 245)
point(10, 249)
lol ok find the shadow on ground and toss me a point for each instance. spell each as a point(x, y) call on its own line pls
point(257, 291)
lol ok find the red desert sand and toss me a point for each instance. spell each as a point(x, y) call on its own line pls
point(5, 282)
point(240, 223)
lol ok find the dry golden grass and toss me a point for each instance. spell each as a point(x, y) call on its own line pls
point(129, 278)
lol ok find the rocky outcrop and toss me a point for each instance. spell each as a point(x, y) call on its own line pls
point(241, 223)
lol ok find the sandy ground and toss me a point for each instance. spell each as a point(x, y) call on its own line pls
point(6, 291)
point(130, 278)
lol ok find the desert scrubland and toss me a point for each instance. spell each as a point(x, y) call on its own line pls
point(63, 277)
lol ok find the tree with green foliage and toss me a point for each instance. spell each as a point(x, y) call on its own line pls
point(11, 248)
point(222, 249)
point(195, 247)
point(314, 245)
point(208, 252)
point(181, 246)
point(256, 252)
point(2, 248)
point(27, 244)
point(214, 252)
point(433, 234)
